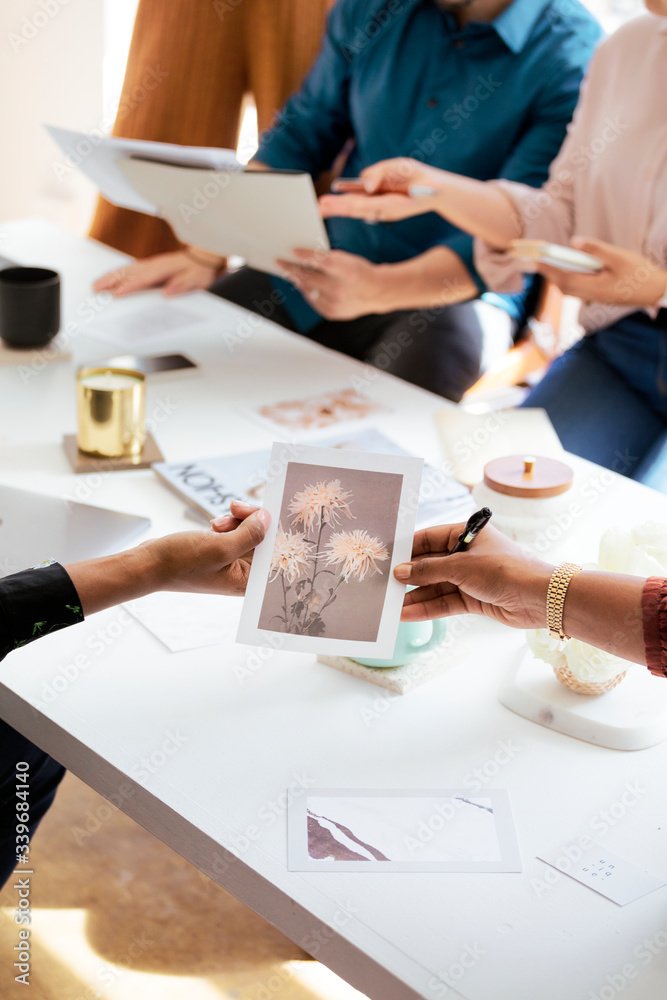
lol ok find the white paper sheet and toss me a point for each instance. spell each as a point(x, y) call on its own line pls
point(98, 156)
point(259, 215)
point(205, 195)
point(602, 870)
point(187, 621)
point(140, 326)
point(440, 830)
point(322, 581)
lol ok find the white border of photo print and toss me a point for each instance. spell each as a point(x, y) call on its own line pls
point(322, 580)
point(402, 830)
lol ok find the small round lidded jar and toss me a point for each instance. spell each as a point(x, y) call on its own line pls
point(525, 493)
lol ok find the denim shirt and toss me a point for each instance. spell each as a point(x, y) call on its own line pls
point(401, 79)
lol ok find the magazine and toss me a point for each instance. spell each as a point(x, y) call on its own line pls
point(210, 484)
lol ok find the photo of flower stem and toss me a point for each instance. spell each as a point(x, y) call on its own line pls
point(332, 553)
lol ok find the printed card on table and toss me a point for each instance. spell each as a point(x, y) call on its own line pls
point(402, 830)
point(602, 870)
point(322, 581)
point(299, 417)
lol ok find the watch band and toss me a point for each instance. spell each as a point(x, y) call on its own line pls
point(556, 593)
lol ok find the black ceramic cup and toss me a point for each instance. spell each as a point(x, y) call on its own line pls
point(29, 306)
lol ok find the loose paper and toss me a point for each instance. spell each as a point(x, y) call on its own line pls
point(300, 417)
point(441, 830)
point(98, 157)
point(322, 581)
point(139, 326)
point(186, 621)
point(260, 215)
point(602, 870)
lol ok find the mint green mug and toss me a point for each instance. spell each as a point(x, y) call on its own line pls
point(413, 638)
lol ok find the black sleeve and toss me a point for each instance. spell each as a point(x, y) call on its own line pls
point(34, 603)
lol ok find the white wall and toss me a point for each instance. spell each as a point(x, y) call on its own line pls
point(51, 59)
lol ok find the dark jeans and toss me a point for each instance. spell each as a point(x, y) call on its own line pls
point(43, 777)
point(444, 349)
point(607, 398)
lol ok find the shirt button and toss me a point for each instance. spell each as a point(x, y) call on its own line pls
point(432, 102)
point(459, 43)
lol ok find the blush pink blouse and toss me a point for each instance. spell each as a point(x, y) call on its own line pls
point(654, 614)
point(609, 180)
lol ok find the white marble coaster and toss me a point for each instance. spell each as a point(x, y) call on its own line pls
point(631, 717)
point(416, 672)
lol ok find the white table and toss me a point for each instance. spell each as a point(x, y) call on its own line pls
point(243, 730)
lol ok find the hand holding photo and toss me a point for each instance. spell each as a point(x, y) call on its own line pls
point(322, 579)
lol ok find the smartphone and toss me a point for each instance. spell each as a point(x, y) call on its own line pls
point(150, 365)
point(564, 258)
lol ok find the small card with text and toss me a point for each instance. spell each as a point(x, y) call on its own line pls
point(602, 870)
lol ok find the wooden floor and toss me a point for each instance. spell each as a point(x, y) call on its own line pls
point(119, 916)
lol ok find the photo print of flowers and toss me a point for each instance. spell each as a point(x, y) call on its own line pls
point(332, 555)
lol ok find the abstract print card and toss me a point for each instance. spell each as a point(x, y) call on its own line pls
point(443, 830)
point(322, 580)
point(299, 417)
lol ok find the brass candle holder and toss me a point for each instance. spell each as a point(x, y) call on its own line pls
point(111, 407)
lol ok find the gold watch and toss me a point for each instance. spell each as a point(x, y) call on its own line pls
point(558, 584)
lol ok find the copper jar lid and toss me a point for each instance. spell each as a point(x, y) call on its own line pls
point(528, 476)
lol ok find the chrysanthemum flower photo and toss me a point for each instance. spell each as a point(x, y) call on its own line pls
point(292, 555)
point(357, 553)
point(319, 504)
point(326, 581)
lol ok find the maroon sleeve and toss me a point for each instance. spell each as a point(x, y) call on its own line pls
point(654, 613)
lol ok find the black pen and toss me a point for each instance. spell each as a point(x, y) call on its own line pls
point(476, 522)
